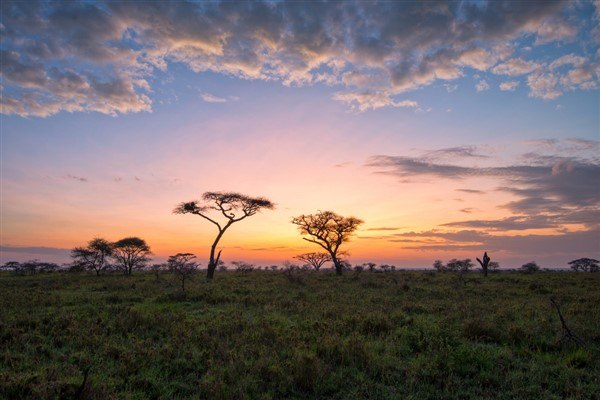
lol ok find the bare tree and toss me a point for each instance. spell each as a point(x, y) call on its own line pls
point(329, 230)
point(94, 256)
point(315, 260)
point(131, 253)
point(182, 265)
point(484, 263)
point(567, 333)
point(233, 206)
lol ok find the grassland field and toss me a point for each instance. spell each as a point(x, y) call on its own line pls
point(396, 335)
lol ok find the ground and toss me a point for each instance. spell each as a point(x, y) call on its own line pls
point(260, 335)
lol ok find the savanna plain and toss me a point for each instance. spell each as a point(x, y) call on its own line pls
point(268, 335)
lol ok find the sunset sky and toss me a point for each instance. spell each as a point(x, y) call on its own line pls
point(450, 128)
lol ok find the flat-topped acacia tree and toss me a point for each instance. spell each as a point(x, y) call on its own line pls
point(315, 260)
point(329, 230)
point(233, 206)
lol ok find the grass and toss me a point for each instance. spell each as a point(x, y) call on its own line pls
point(398, 335)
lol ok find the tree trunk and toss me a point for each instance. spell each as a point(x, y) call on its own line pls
point(210, 272)
point(212, 262)
point(485, 263)
point(336, 264)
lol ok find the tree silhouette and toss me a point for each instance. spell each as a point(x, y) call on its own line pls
point(370, 266)
point(233, 206)
point(131, 253)
point(243, 267)
point(585, 264)
point(329, 230)
point(530, 267)
point(484, 263)
point(439, 266)
point(462, 266)
point(182, 265)
point(315, 260)
point(494, 266)
point(94, 256)
point(30, 267)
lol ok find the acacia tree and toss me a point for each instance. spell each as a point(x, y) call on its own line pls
point(439, 266)
point(93, 256)
point(329, 230)
point(462, 266)
point(315, 260)
point(243, 267)
point(370, 266)
point(131, 253)
point(182, 265)
point(494, 266)
point(233, 206)
point(585, 264)
point(530, 267)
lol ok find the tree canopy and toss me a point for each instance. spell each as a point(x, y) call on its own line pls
point(585, 264)
point(328, 230)
point(314, 259)
point(229, 208)
point(183, 265)
point(94, 256)
point(131, 253)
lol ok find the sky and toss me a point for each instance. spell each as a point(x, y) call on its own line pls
point(450, 128)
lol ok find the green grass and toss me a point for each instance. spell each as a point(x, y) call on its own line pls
point(399, 335)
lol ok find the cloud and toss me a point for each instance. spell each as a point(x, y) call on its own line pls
point(471, 191)
point(450, 87)
point(210, 98)
point(269, 248)
point(544, 85)
point(76, 178)
point(343, 164)
point(576, 147)
point(569, 59)
point(481, 86)
point(564, 74)
point(384, 228)
point(105, 56)
point(507, 224)
point(550, 246)
point(54, 251)
point(458, 152)
point(515, 66)
point(550, 190)
point(363, 101)
point(509, 86)
point(555, 30)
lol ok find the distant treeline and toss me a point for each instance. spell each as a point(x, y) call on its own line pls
point(32, 267)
